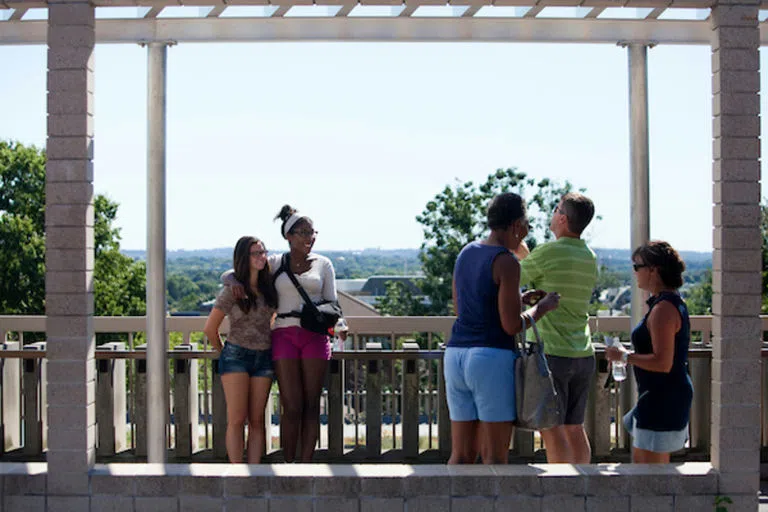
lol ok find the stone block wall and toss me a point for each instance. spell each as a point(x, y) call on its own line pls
point(376, 487)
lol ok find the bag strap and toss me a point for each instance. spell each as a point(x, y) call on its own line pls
point(280, 269)
point(286, 265)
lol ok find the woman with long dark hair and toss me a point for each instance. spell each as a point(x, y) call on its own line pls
point(658, 423)
point(300, 356)
point(245, 360)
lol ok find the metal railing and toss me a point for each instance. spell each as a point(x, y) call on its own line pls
point(384, 400)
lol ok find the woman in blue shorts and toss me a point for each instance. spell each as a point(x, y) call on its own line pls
point(480, 356)
point(658, 423)
point(245, 361)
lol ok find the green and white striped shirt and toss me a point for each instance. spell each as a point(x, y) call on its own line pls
point(569, 267)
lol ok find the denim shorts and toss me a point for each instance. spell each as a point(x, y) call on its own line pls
point(237, 359)
point(654, 441)
point(480, 384)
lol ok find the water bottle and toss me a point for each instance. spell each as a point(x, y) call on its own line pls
point(619, 368)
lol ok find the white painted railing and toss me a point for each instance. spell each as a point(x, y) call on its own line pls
point(383, 404)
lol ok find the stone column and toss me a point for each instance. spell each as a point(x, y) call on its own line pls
point(69, 254)
point(736, 279)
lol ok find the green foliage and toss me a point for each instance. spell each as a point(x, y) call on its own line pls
point(722, 502)
point(457, 216)
point(399, 301)
point(22, 222)
point(119, 282)
point(699, 299)
point(764, 251)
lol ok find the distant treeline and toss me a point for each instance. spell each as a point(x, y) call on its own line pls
point(193, 276)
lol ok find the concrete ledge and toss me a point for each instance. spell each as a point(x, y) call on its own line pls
point(390, 487)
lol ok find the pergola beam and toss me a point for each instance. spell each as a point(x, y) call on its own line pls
point(548, 30)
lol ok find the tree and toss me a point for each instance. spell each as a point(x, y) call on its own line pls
point(699, 299)
point(457, 216)
point(119, 282)
point(764, 251)
point(22, 220)
point(399, 301)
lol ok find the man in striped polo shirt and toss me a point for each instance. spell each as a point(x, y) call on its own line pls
point(567, 266)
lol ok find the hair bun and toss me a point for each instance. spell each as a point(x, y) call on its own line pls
point(285, 212)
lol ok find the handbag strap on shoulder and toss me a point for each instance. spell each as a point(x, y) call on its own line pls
point(286, 264)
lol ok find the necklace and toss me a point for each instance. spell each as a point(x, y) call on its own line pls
point(301, 266)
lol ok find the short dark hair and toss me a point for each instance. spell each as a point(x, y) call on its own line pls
point(579, 209)
point(665, 259)
point(505, 209)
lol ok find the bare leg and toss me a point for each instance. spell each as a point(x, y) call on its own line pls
point(313, 376)
point(495, 438)
point(640, 456)
point(236, 395)
point(556, 444)
point(578, 441)
point(259, 395)
point(464, 446)
point(292, 400)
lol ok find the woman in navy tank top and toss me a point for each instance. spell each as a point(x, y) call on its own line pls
point(480, 358)
point(659, 421)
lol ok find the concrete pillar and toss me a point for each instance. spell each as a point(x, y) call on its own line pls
point(157, 346)
point(140, 404)
point(736, 266)
point(69, 250)
point(219, 415)
point(111, 403)
point(335, 410)
point(35, 402)
point(11, 390)
point(185, 403)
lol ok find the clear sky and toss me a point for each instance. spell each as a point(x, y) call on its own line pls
point(360, 136)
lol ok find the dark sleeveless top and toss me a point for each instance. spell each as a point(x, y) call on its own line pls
point(664, 399)
point(478, 323)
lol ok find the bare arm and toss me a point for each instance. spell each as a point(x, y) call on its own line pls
point(522, 250)
point(455, 298)
point(211, 328)
point(663, 323)
point(506, 273)
point(329, 283)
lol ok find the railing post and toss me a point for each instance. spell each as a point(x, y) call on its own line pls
point(335, 409)
point(373, 407)
point(701, 375)
point(219, 414)
point(35, 402)
point(598, 420)
point(140, 404)
point(522, 444)
point(11, 392)
point(110, 402)
point(410, 407)
point(443, 417)
point(185, 403)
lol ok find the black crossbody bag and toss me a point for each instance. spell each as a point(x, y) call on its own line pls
point(318, 318)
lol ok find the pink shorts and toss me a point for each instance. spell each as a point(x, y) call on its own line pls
point(298, 343)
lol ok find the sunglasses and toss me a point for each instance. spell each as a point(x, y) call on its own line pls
point(638, 266)
point(305, 232)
